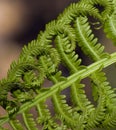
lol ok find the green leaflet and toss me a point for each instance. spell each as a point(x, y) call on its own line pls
point(43, 59)
point(86, 40)
point(110, 27)
point(16, 125)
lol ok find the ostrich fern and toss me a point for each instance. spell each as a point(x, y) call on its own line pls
point(42, 60)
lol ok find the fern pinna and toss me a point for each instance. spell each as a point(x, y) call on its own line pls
point(23, 94)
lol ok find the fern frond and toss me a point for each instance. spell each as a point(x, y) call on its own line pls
point(110, 27)
point(29, 121)
point(69, 59)
point(22, 69)
point(105, 99)
point(45, 117)
point(107, 7)
point(77, 9)
point(96, 116)
point(23, 96)
point(86, 39)
point(50, 63)
point(78, 95)
point(101, 81)
point(17, 68)
point(41, 60)
point(1, 128)
point(16, 125)
point(67, 110)
point(110, 119)
point(55, 78)
point(4, 88)
point(63, 110)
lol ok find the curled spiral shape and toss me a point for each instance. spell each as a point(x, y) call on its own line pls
point(56, 46)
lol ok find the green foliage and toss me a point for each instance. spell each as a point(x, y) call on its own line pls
point(42, 61)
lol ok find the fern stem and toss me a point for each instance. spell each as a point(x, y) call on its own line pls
point(63, 109)
point(41, 59)
point(103, 63)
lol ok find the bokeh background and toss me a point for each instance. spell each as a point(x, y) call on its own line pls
point(22, 20)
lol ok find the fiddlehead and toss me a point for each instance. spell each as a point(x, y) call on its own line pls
point(41, 60)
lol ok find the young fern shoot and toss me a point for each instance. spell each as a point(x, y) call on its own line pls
point(43, 59)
